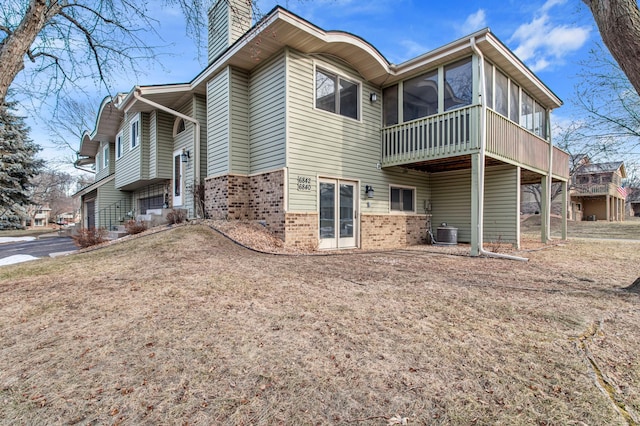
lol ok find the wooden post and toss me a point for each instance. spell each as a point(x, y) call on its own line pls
point(475, 205)
point(545, 219)
point(564, 210)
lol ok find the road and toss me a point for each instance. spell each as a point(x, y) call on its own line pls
point(37, 248)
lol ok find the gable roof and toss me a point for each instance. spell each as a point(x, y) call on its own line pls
point(610, 167)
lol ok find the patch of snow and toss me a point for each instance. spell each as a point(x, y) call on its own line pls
point(15, 239)
point(17, 258)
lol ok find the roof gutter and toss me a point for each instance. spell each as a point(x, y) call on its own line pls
point(196, 148)
point(483, 146)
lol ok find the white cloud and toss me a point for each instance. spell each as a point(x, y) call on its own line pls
point(410, 49)
point(543, 43)
point(474, 22)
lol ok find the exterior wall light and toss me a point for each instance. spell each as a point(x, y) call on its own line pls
point(368, 189)
point(373, 97)
point(186, 154)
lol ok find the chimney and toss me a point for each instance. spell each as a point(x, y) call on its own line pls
point(228, 21)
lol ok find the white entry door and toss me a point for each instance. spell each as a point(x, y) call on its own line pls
point(338, 224)
point(178, 179)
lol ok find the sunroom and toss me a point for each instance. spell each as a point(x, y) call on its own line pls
point(463, 112)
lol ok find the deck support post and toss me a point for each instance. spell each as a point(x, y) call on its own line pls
point(545, 201)
point(475, 205)
point(564, 209)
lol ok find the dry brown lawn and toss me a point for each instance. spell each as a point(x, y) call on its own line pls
point(186, 327)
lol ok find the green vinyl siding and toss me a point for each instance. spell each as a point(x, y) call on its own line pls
point(144, 142)
point(267, 129)
point(451, 201)
point(501, 211)
point(218, 29)
point(239, 117)
point(108, 195)
point(218, 124)
point(325, 144)
point(200, 106)
point(103, 172)
point(128, 167)
point(161, 145)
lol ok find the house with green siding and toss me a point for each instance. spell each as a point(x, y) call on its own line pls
point(317, 136)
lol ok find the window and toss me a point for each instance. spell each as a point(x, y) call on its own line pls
point(179, 126)
point(420, 96)
point(488, 81)
point(526, 112)
point(390, 105)
point(119, 145)
point(514, 96)
point(502, 94)
point(135, 133)
point(458, 84)
point(335, 94)
point(98, 163)
point(539, 120)
point(402, 199)
point(105, 157)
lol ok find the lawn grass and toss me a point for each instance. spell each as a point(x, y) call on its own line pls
point(185, 327)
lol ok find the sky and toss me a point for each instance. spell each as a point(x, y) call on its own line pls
point(552, 37)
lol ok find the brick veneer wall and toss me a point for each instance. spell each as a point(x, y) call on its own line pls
point(259, 197)
point(266, 201)
point(392, 231)
point(301, 230)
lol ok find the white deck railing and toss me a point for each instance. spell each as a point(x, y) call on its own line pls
point(456, 133)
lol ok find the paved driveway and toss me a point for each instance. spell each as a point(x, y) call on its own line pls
point(20, 251)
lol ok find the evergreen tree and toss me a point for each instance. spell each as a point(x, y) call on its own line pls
point(18, 166)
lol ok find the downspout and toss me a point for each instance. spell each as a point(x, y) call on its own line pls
point(483, 145)
point(547, 213)
point(196, 148)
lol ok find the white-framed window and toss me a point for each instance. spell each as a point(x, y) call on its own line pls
point(337, 94)
point(402, 199)
point(105, 157)
point(98, 163)
point(179, 126)
point(118, 145)
point(134, 133)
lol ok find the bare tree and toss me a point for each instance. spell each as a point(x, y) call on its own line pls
point(619, 25)
point(52, 188)
point(71, 42)
point(70, 119)
point(611, 121)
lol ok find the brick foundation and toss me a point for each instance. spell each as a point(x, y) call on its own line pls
point(301, 230)
point(259, 197)
point(392, 231)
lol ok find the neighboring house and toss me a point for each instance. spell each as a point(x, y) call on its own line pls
point(315, 134)
point(597, 192)
point(633, 199)
point(41, 216)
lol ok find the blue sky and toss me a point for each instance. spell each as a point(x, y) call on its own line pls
point(550, 36)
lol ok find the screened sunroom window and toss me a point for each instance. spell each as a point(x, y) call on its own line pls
point(420, 96)
point(488, 81)
point(390, 105)
point(336, 94)
point(514, 95)
point(458, 81)
point(502, 94)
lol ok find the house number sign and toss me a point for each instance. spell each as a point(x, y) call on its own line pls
point(304, 183)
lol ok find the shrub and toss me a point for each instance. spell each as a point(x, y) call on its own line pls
point(135, 226)
point(88, 237)
point(176, 216)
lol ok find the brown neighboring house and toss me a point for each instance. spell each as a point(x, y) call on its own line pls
point(633, 198)
point(597, 193)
